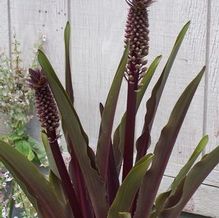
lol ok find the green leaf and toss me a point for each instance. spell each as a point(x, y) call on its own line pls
point(70, 92)
point(24, 148)
point(129, 187)
point(68, 78)
point(52, 164)
point(33, 183)
point(69, 86)
point(168, 196)
point(103, 145)
point(201, 146)
point(118, 139)
point(15, 137)
point(192, 181)
point(75, 133)
point(39, 151)
point(112, 181)
point(163, 150)
point(143, 141)
point(57, 186)
point(124, 215)
point(146, 80)
point(159, 203)
point(54, 177)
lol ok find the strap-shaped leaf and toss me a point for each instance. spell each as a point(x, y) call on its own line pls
point(74, 131)
point(167, 196)
point(146, 80)
point(129, 187)
point(107, 118)
point(112, 180)
point(34, 184)
point(163, 150)
point(54, 177)
point(68, 77)
point(192, 181)
point(159, 204)
point(74, 168)
point(118, 139)
point(143, 141)
point(198, 150)
point(79, 184)
point(52, 164)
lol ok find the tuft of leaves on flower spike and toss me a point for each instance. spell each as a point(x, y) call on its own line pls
point(137, 36)
point(46, 107)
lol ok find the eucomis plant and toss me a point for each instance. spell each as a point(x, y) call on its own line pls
point(90, 186)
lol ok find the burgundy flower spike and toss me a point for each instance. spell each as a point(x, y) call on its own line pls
point(137, 36)
point(45, 103)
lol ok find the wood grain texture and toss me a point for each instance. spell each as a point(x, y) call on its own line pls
point(97, 46)
point(203, 202)
point(4, 48)
point(31, 20)
point(212, 100)
point(4, 27)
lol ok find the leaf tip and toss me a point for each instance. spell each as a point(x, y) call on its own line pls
point(159, 57)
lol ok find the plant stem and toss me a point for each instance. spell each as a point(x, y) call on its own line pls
point(23, 204)
point(11, 201)
point(130, 126)
point(65, 178)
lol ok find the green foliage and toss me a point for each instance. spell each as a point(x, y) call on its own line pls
point(95, 179)
point(129, 187)
point(35, 185)
point(10, 190)
point(16, 100)
point(15, 96)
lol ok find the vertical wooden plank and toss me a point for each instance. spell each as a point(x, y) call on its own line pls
point(4, 27)
point(97, 46)
point(212, 106)
point(4, 46)
point(31, 20)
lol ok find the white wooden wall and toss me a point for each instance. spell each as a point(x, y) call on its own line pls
point(97, 45)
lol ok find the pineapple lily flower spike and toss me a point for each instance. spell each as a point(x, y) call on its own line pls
point(136, 35)
point(47, 113)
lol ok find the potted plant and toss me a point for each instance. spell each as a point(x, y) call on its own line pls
point(91, 186)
